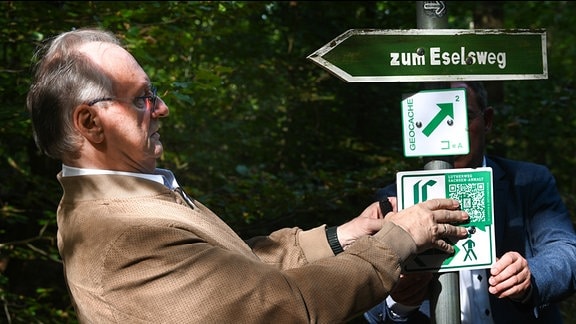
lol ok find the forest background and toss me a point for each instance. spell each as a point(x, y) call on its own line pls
point(257, 132)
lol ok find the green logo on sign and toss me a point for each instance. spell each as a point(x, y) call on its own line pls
point(446, 110)
point(422, 191)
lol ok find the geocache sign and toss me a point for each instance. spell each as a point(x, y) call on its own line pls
point(473, 189)
point(435, 123)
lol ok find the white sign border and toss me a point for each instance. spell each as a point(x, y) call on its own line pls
point(410, 265)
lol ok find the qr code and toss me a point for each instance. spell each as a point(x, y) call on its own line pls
point(471, 198)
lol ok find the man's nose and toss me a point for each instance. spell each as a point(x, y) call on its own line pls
point(161, 109)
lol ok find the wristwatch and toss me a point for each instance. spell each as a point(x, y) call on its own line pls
point(332, 237)
point(385, 205)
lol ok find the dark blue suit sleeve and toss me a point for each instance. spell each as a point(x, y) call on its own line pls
point(551, 250)
point(388, 191)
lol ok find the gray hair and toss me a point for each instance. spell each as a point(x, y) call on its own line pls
point(64, 78)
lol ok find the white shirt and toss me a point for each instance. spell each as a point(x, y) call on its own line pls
point(474, 301)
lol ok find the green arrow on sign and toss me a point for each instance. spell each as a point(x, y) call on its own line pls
point(446, 109)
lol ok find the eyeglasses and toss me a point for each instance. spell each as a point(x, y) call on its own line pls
point(148, 101)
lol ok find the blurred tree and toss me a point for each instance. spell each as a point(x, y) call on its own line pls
point(256, 131)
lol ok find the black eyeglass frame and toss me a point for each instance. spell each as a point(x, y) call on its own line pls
point(153, 98)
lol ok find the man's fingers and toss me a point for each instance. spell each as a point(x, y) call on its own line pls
point(444, 246)
point(431, 221)
point(451, 216)
point(442, 203)
point(454, 231)
point(449, 231)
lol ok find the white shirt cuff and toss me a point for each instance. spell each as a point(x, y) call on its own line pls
point(399, 311)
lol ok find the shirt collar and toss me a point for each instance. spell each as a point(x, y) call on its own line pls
point(163, 176)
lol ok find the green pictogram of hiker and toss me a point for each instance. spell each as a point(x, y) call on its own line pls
point(469, 248)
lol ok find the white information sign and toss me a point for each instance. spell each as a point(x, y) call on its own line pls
point(435, 123)
point(473, 189)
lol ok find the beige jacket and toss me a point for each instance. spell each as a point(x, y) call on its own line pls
point(136, 252)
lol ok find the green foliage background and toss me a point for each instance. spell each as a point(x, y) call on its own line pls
point(256, 131)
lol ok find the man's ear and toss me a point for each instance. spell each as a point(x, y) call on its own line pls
point(88, 123)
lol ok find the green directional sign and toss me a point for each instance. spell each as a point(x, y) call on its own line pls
point(416, 55)
point(473, 189)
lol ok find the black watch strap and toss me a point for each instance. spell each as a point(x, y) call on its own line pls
point(385, 205)
point(332, 237)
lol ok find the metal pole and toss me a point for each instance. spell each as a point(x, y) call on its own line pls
point(431, 14)
point(445, 289)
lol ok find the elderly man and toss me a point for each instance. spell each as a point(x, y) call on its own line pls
point(137, 249)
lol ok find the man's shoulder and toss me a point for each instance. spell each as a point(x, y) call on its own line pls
point(386, 191)
point(510, 164)
point(499, 160)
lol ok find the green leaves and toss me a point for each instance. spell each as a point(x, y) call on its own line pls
point(256, 132)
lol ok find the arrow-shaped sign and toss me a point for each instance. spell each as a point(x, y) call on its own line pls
point(446, 110)
point(437, 6)
point(420, 55)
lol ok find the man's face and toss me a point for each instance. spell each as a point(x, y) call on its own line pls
point(479, 124)
point(129, 126)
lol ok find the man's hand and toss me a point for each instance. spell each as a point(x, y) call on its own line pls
point(510, 277)
point(368, 223)
point(431, 221)
point(412, 288)
point(427, 222)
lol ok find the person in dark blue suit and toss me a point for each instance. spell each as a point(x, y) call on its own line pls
point(535, 243)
